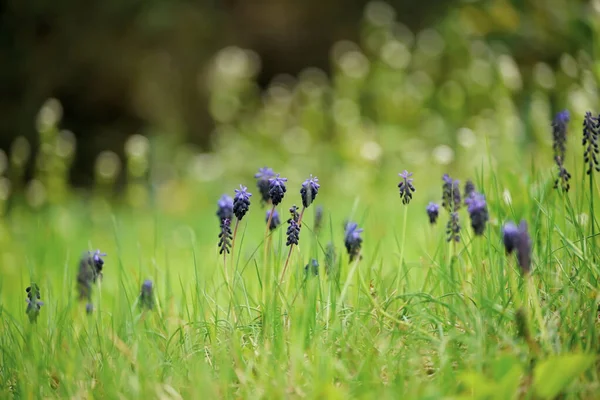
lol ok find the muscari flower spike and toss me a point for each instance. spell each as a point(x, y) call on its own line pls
point(293, 231)
point(34, 304)
point(225, 207)
point(147, 295)
point(450, 194)
point(91, 265)
point(453, 228)
point(309, 190)
point(225, 236)
point(406, 187)
point(277, 189)
point(433, 211)
point(591, 129)
point(312, 266)
point(262, 182)
point(352, 240)
point(318, 219)
point(517, 238)
point(469, 189)
point(275, 221)
point(559, 142)
point(477, 208)
point(241, 202)
point(98, 263)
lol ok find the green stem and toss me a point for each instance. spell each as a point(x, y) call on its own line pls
point(402, 246)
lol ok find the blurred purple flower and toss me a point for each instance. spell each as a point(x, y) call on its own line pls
point(225, 207)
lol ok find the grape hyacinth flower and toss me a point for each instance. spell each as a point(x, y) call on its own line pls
point(309, 190)
point(453, 228)
point(559, 141)
point(34, 304)
point(406, 187)
point(241, 202)
point(510, 236)
point(262, 182)
point(225, 236)
point(469, 190)
point(293, 231)
point(312, 266)
point(146, 299)
point(433, 212)
point(277, 189)
point(451, 194)
point(352, 240)
point(517, 238)
point(98, 263)
point(591, 129)
point(318, 219)
point(225, 207)
point(273, 221)
point(477, 208)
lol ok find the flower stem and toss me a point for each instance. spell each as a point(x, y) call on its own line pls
point(237, 223)
point(402, 246)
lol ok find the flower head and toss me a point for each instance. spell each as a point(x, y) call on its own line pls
point(318, 219)
point(225, 207)
point(517, 238)
point(450, 194)
point(293, 231)
point(591, 129)
point(559, 145)
point(225, 236)
point(277, 189)
point(406, 187)
point(510, 236)
point(275, 221)
point(352, 240)
point(262, 182)
point(469, 189)
point(477, 208)
point(433, 211)
point(313, 266)
point(98, 263)
point(309, 190)
point(147, 295)
point(241, 202)
point(34, 304)
point(453, 228)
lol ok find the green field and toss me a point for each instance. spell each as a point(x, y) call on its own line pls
point(410, 316)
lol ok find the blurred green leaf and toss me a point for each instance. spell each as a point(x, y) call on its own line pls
point(553, 375)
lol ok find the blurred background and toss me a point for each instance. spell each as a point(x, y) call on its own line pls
point(91, 84)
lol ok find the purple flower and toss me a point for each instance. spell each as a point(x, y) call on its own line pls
point(225, 236)
point(453, 228)
point(517, 238)
point(34, 304)
point(559, 145)
point(591, 129)
point(277, 189)
point(98, 263)
point(241, 202)
point(147, 295)
point(225, 207)
point(433, 211)
point(352, 240)
point(318, 219)
point(524, 248)
point(309, 190)
point(450, 194)
point(469, 189)
point(406, 187)
point(313, 266)
point(477, 208)
point(293, 231)
point(275, 222)
point(510, 236)
point(262, 182)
